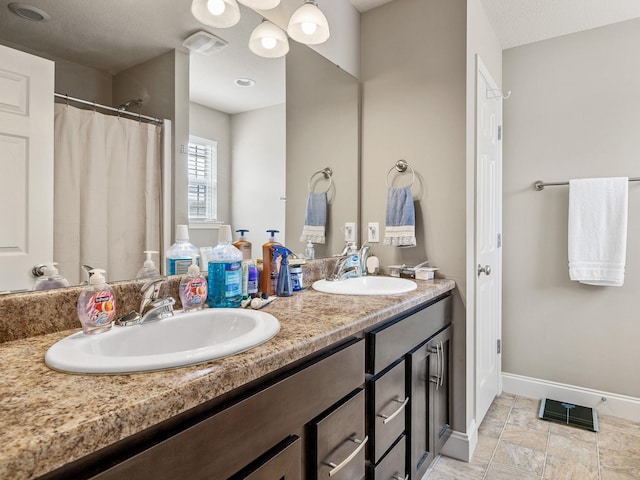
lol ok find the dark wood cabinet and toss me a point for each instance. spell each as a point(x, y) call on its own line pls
point(418, 344)
point(428, 367)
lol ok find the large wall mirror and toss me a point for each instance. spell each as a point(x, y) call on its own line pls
point(302, 116)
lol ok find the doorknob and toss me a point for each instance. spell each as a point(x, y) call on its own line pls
point(486, 269)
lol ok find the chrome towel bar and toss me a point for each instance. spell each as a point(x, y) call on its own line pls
point(539, 184)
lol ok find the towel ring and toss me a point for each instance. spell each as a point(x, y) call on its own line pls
point(326, 173)
point(401, 166)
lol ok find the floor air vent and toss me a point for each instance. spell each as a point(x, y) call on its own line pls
point(569, 414)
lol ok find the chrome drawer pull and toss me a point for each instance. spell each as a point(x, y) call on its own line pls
point(336, 468)
point(398, 477)
point(442, 362)
point(388, 418)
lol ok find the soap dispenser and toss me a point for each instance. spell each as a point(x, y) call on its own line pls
point(284, 287)
point(149, 268)
point(309, 252)
point(243, 244)
point(96, 304)
point(268, 263)
point(50, 278)
point(193, 288)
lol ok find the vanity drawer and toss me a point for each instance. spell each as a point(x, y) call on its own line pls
point(283, 462)
point(225, 441)
point(391, 341)
point(338, 440)
point(394, 465)
point(387, 406)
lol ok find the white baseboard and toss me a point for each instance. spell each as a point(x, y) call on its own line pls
point(615, 405)
point(462, 445)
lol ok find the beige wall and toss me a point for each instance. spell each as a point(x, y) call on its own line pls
point(258, 174)
point(574, 112)
point(322, 131)
point(414, 108)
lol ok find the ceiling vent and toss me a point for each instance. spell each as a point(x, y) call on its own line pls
point(204, 43)
point(28, 12)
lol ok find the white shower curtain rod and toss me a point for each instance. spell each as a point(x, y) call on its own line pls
point(539, 184)
point(95, 105)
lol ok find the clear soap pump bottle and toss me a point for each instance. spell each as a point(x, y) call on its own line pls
point(193, 288)
point(96, 304)
point(149, 268)
point(50, 278)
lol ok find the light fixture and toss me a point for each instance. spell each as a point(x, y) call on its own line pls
point(260, 4)
point(216, 13)
point(308, 24)
point(269, 41)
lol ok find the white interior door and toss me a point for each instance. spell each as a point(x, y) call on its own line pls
point(26, 166)
point(488, 240)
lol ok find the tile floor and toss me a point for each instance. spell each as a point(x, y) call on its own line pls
point(514, 444)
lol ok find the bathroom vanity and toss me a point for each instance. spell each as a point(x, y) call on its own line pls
point(347, 390)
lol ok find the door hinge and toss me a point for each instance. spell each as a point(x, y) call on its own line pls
point(183, 149)
point(499, 241)
point(499, 346)
point(499, 132)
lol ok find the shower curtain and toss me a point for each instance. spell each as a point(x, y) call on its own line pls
point(107, 193)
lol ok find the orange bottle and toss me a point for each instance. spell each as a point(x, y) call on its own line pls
point(243, 245)
point(267, 258)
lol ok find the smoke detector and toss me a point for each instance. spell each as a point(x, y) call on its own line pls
point(205, 43)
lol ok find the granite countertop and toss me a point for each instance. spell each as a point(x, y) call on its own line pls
point(50, 418)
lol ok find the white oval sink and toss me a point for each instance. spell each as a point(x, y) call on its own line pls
point(185, 339)
point(367, 285)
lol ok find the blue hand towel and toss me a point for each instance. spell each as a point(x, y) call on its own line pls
point(315, 219)
point(400, 229)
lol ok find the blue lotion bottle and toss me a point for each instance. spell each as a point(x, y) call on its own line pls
point(225, 272)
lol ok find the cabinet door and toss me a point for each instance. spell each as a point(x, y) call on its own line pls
point(338, 441)
point(440, 389)
point(281, 463)
point(421, 367)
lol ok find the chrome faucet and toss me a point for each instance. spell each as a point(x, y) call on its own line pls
point(345, 269)
point(151, 308)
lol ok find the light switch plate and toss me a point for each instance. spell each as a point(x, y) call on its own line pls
point(350, 232)
point(373, 232)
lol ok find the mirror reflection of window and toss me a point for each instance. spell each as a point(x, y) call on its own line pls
point(202, 170)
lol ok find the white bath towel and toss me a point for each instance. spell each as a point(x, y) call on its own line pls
point(598, 230)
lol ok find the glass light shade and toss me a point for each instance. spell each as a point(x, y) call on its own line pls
point(308, 24)
point(269, 41)
point(260, 4)
point(216, 13)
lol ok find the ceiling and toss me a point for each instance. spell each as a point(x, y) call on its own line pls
point(115, 35)
point(518, 22)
